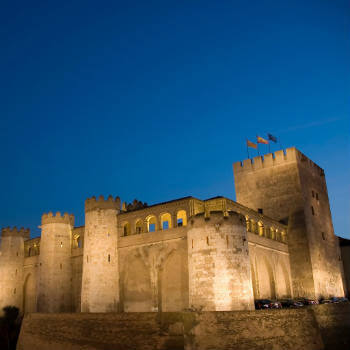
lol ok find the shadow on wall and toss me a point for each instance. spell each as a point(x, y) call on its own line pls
point(10, 326)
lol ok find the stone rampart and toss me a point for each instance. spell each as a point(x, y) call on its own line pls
point(276, 158)
point(50, 218)
point(315, 328)
point(101, 203)
point(22, 232)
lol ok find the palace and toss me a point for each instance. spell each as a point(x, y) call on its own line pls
point(276, 240)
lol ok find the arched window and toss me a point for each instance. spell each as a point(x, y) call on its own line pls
point(283, 237)
point(30, 251)
point(278, 235)
point(273, 233)
point(247, 222)
point(165, 221)
point(151, 223)
point(79, 243)
point(126, 229)
point(181, 218)
point(138, 226)
point(254, 228)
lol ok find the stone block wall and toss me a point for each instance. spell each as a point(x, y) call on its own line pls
point(100, 276)
point(54, 271)
point(345, 252)
point(218, 259)
point(11, 267)
point(315, 328)
point(154, 271)
point(288, 186)
point(270, 267)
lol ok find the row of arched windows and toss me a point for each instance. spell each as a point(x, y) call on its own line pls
point(164, 222)
point(258, 228)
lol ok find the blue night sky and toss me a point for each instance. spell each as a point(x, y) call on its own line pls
point(153, 100)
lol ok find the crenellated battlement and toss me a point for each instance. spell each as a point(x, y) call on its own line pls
point(276, 158)
point(101, 203)
point(214, 216)
point(22, 232)
point(50, 218)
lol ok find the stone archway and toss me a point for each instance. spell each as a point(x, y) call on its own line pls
point(283, 289)
point(137, 286)
point(266, 279)
point(29, 294)
point(254, 278)
point(174, 283)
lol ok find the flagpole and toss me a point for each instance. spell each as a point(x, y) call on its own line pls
point(246, 142)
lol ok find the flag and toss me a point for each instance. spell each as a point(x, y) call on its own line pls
point(261, 140)
point(272, 138)
point(252, 144)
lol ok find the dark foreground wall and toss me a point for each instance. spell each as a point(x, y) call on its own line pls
point(321, 327)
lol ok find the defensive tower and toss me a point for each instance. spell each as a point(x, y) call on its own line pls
point(11, 266)
point(218, 258)
point(289, 187)
point(100, 280)
point(55, 273)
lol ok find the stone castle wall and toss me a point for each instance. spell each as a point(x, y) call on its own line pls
point(315, 328)
point(219, 269)
point(345, 252)
point(323, 244)
point(154, 271)
point(285, 186)
point(55, 272)
point(11, 266)
point(100, 280)
point(214, 254)
point(153, 267)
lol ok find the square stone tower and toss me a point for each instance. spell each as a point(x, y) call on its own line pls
point(289, 187)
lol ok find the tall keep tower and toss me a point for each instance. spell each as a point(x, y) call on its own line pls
point(290, 187)
point(218, 259)
point(11, 266)
point(100, 280)
point(55, 272)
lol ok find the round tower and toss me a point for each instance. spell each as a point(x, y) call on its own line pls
point(55, 273)
point(11, 266)
point(100, 280)
point(219, 267)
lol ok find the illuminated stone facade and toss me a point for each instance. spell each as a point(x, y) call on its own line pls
point(291, 188)
point(213, 254)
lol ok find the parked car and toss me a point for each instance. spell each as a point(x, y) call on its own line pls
point(337, 300)
point(267, 304)
point(326, 301)
point(276, 304)
point(262, 304)
point(290, 303)
point(307, 301)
